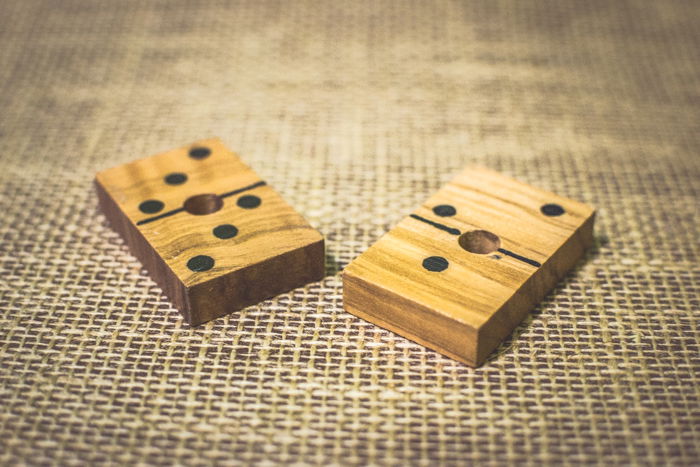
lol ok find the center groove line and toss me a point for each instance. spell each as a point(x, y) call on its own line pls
point(454, 231)
point(179, 210)
point(447, 229)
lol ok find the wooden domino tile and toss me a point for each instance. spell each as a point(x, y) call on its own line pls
point(210, 232)
point(466, 267)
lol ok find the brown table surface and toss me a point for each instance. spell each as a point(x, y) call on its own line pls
point(355, 112)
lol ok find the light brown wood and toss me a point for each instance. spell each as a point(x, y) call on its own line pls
point(459, 282)
point(269, 250)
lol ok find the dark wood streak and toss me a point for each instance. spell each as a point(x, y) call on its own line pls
point(238, 240)
point(520, 206)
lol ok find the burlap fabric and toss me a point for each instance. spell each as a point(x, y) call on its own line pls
point(355, 112)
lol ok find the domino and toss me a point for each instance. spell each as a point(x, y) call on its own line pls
point(459, 273)
point(212, 234)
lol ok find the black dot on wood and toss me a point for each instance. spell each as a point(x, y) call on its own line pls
point(225, 231)
point(200, 263)
point(248, 202)
point(151, 206)
point(444, 210)
point(552, 210)
point(435, 263)
point(176, 178)
point(200, 152)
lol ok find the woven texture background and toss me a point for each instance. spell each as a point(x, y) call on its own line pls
point(355, 112)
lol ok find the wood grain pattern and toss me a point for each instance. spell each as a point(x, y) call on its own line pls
point(422, 279)
point(266, 247)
